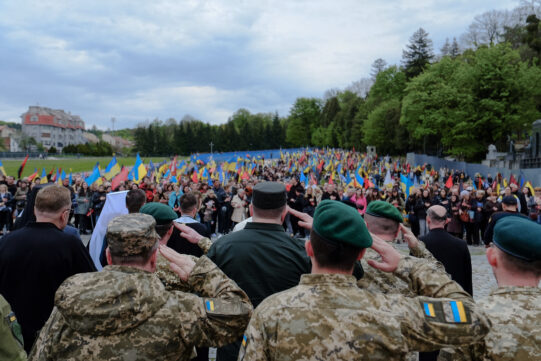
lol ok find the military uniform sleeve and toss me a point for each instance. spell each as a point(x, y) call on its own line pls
point(224, 308)
point(420, 251)
point(444, 315)
point(44, 347)
point(205, 243)
point(11, 338)
point(254, 345)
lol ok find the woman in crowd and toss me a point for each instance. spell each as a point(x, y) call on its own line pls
point(83, 199)
point(423, 203)
point(5, 209)
point(442, 200)
point(477, 207)
point(455, 225)
point(467, 214)
point(411, 201)
point(360, 200)
point(537, 198)
point(239, 207)
point(396, 200)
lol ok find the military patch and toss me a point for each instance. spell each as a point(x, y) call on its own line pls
point(210, 305)
point(446, 311)
point(242, 351)
point(15, 328)
point(244, 339)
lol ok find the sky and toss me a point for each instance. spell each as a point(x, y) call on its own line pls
point(140, 60)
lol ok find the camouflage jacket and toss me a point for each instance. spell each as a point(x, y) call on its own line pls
point(170, 279)
point(326, 317)
point(124, 313)
point(515, 314)
point(379, 281)
point(11, 338)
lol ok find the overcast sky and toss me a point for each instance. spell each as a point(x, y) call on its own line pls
point(138, 60)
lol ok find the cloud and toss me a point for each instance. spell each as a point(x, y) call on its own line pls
point(208, 58)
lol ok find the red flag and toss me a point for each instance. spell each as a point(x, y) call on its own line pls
point(512, 180)
point(21, 168)
point(320, 165)
point(120, 177)
point(195, 179)
point(449, 182)
point(480, 184)
point(33, 175)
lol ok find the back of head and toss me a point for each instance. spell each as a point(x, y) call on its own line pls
point(135, 199)
point(382, 218)
point(437, 215)
point(268, 200)
point(188, 202)
point(162, 214)
point(519, 240)
point(338, 235)
point(132, 239)
point(53, 199)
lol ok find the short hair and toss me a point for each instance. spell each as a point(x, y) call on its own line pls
point(188, 201)
point(162, 229)
point(434, 216)
point(135, 199)
point(268, 213)
point(53, 198)
point(381, 225)
point(138, 259)
point(334, 255)
point(521, 266)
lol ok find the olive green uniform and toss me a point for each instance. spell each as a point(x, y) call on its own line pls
point(11, 338)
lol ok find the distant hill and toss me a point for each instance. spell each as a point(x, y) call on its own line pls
point(17, 126)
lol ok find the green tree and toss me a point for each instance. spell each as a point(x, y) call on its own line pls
point(418, 53)
point(303, 117)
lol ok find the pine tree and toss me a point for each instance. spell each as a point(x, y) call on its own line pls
point(454, 50)
point(418, 54)
point(446, 48)
point(377, 66)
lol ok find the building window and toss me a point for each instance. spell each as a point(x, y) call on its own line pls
point(34, 118)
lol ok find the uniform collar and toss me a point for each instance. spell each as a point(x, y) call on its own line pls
point(124, 269)
point(516, 289)
point(265, 226)
point(334, 278)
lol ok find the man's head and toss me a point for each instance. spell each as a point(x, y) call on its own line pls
point(66, 182)
point(10, 180)
point(509, 204)
point(383, 219)
point(135, 199)
point(436, 217)
point(189, 203)
point(164, 217)
point(514, 187)
point(133, 241)
point(338, 238)
point(515, 253)
point(53, 204)
point(269, 202)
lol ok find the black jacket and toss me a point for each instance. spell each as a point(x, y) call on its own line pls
point(34, 261)
point(453, 253)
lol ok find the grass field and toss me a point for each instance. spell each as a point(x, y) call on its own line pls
point(83, 164)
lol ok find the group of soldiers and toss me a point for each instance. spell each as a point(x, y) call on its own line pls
point(345, 294)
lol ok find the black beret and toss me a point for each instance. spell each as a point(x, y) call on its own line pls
point(510, 200)
point(269, 195)
point(519, 237)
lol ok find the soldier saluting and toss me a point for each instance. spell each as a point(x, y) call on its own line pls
point(327, 317)
point(125, 313)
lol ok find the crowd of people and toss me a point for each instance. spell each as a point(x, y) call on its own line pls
point(234, 254)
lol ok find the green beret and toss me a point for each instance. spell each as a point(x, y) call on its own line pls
point(338, 222)
point(131, 234)
point(269, 195)
point(519, 237)
point(162, 214)
point(384, 210)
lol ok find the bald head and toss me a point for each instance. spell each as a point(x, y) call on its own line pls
point(436, 217)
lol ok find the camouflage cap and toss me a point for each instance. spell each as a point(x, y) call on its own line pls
point(131, 234)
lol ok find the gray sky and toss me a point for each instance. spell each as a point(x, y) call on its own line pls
point(138, 60)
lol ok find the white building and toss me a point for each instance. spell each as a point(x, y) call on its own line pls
point(52, 127)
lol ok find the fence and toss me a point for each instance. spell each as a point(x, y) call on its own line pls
point(531, 174)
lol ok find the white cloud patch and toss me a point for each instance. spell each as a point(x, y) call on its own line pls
point(208, 58)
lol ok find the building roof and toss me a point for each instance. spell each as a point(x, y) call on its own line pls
point(52, 117)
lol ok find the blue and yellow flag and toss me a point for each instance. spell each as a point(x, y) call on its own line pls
point(2, 169)
point(112, 169)
point(138, 172)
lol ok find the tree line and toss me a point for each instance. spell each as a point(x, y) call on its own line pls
point(482, 91)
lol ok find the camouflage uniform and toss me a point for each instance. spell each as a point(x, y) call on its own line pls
point(515, 314)
point(327, 318)
point(11, 338)
point(125, 313)
point(169, 278)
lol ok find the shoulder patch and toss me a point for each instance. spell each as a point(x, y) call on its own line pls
point(15, 328)
point(217, 306)
point(242, 351)
point(446, 311)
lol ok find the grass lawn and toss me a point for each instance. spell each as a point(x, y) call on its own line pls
point(83, 164)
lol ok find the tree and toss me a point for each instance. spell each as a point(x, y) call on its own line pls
point(361, 87)
point(303, 117)
point(446, 48)
point(454, 50)
point(418, 54)
point(378, 66)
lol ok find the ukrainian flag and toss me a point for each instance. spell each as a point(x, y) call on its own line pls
point(2, 168)
point(459, 313)
point(112, 169)
point(138, 172)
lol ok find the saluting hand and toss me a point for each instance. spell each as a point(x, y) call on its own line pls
point(408, 236)
point(181, 264)
point(189, 233)
point(389, 256)
point(305, 221)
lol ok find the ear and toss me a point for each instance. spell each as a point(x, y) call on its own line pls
point(153, 260)
point(492, 257)
point(108, 256)
point(309, 249)
point(283, 216)
point(362, 253)
point(170, 231)
point(251, 210)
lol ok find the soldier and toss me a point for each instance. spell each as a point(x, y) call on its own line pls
point(514, 308)
point(11, 337)
point(124, 312)
point(326, 317)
